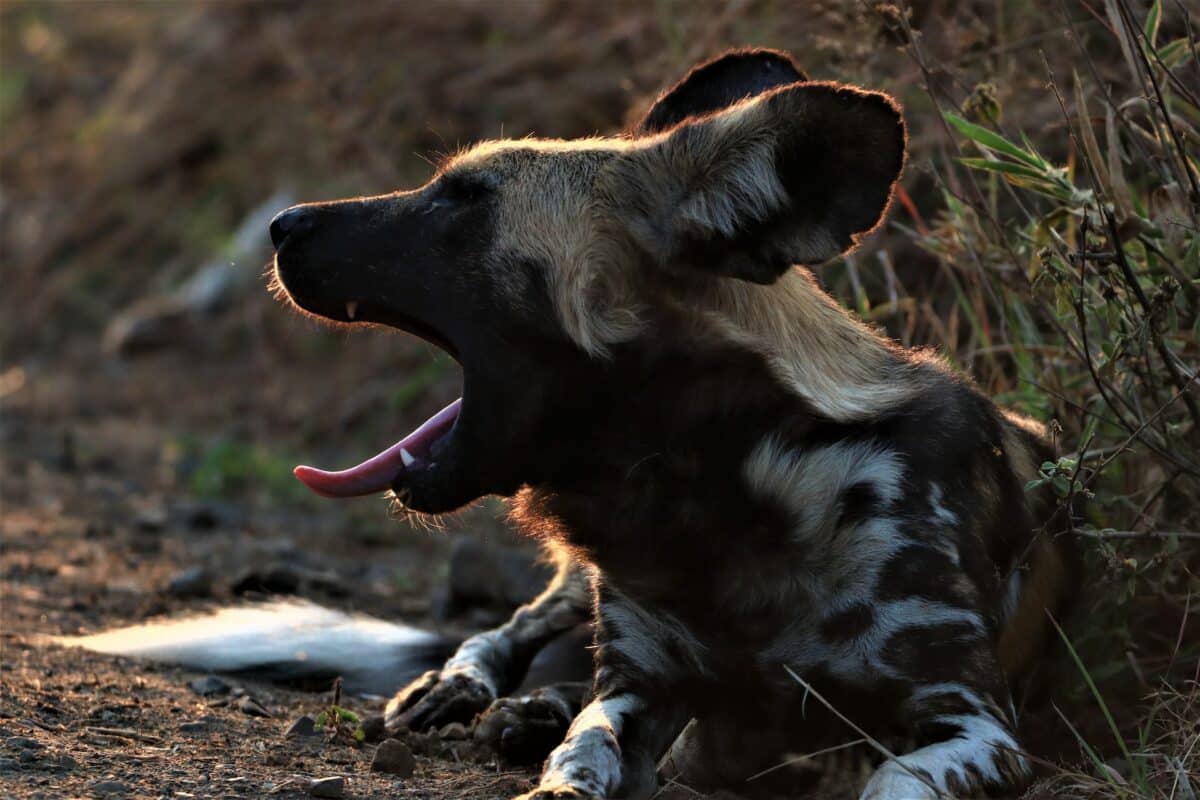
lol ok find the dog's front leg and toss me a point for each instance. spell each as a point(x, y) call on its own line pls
point(613, 747)
point(967, 720)
point(490, 664)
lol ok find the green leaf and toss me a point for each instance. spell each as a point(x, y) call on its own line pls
point(322, 720)
point(1152, 20)
point(1032, 151)
point(1135, 765)
point(991, 140)
point(347, 715)
point(1007, 167)
point(1173, 53)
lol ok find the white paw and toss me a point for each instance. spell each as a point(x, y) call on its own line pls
point(893, 782)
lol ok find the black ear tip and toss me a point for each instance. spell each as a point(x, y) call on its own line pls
point(720, 82)
point(778, 63)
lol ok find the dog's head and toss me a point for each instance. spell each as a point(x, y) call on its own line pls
point(536, 263)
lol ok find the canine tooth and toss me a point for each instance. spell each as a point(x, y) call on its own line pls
point(406, 457)
point(351, 308)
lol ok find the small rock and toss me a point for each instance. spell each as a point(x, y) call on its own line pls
point(373, 729)
point(62, 762)
point(23, 743)
point(109, 789)
point(200, 516)
point(248, 705)
point(209, 686)
point(27, 756)
point(393, 757)
point(453, 730)
point(195, 726)
point(152, 518)
point(284, 578)
point(304, 726)
point(9, 765)
point(191, 582)
point(327, 787)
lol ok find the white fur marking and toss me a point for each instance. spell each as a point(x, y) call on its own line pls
point(940, 511)
point(810, 483)
point(589, 759)
point(976, 745)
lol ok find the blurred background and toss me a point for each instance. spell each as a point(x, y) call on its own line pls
point(155, 398)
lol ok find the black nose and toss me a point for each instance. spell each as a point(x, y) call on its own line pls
point(289, 221)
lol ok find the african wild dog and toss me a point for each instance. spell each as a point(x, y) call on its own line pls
point(739, 480)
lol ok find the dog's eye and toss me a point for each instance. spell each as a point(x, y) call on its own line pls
point(458, 192)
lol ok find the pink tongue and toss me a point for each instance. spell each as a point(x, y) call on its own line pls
point(377, 473)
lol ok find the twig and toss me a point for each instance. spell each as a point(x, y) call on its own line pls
point(125, 733)
point(866, 736)
point(1164, 352)
point(1131, 23)
point(797, 759)
point(1109, 534)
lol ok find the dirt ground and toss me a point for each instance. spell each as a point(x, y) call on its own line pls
point(96, 525)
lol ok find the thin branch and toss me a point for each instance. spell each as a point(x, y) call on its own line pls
point(869, 739)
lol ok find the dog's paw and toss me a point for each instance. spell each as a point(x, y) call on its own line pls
point(893, 782)
point(436, 699)
point(523, 730)
point(561, 792)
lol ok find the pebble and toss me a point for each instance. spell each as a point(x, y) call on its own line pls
point(9, 765)
point(62, 762)
point(209, 685)
point(327, 787)
point(195, 726)
point(199, 516)
point(277, 759)
point(373, 728)
point(151, 519)
point(109, 789)
point(304, 726)
point(23, 743)
point(191, 582)
point(393, 757)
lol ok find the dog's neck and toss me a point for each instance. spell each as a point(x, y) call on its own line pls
point(842, 368)
point(680, 412)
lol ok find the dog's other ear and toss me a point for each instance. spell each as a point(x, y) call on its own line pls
point(794, 176)
point(713, 85)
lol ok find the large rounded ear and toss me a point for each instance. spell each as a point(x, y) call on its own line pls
point(794, 176)
point(720, 83)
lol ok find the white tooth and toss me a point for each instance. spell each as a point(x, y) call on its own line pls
point(351, 308)
point(406, 457)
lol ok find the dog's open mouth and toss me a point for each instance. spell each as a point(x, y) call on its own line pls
point(417, 452)
point(378, 473)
